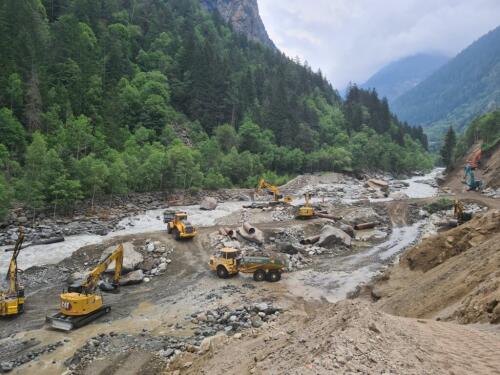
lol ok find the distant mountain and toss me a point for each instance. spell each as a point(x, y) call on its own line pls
point(462, 89)
point(398, 77)
point(243, 16)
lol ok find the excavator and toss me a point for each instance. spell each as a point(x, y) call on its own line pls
point(80, 304)
point(306, 211)
point(459, 212)
point(274, 191)
point(470, 167)
point(12, 301)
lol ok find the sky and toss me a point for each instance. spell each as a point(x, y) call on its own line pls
point(349, 40)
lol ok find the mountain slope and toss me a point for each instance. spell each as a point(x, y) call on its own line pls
point(465, 87)
point(400, 76)
point(243, 16)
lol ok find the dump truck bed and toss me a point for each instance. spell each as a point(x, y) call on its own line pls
point(251, 264)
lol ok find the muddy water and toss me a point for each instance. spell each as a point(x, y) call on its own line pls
point(150, 221)
point(333, 278)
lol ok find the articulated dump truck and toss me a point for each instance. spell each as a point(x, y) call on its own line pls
point(229, 262)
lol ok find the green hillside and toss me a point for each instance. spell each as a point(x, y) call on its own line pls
point(114, 96)
point(466, 87)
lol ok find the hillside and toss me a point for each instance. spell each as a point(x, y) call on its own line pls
point(398, 77)
point(463, 88)
point(243, 16)
point(452, 275)
point(155, 96)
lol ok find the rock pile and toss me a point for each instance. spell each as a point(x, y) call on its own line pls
point(10, 357)
point(231, 321)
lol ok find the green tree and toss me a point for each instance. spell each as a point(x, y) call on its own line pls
point(226, 136)
point(448, 149)
point(5, 197)
point(12, 133)
point(93, 174)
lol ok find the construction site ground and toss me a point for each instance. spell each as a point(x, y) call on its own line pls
point(407, 321)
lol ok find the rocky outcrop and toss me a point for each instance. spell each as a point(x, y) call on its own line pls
point(243, 16)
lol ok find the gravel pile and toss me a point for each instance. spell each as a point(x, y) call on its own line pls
point(231, 321)
point(14, 353)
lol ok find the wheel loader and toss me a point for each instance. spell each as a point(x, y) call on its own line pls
point(229, 262)
point(80, 304)
point(178, 225)
point(12, 300)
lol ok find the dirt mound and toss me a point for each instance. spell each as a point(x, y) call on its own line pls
point(437, 249)
point(348, 337)
point(491, 168)
point(454, 275)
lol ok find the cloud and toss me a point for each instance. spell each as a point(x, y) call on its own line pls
point(349, 40)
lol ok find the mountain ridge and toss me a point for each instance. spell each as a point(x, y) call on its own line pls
point(400, 76)
point(465, 87)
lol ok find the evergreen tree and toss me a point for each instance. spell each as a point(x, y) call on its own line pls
point(448, 149)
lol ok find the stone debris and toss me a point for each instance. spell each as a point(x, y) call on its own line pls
point(231, 321)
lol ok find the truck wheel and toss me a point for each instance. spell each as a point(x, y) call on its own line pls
point(273, 276)
point(222, 272)
point(177, 234)
point(259, 275)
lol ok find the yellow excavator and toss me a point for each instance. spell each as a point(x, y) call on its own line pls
point(306, 211)
point(178, 225)
point(12, 301)
point(81, 305)
point(273, 190)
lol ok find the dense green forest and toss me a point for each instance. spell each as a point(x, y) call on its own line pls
point(484, 129)
point(113, 96)
point(464, 88)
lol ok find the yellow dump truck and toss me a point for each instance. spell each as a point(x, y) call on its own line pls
point(228, 262)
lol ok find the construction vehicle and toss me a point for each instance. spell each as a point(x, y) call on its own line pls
point(81, 304)
point(306, 211)
point(470, 179)
point(178, 225)
point(459, 212)
point(273, 190)
point(229, 262)
point(12, 301)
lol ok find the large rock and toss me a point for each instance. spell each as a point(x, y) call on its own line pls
point(131, 258)
point(208, 203)
point(331, 237)
point(378, 184)
point(135, 277)
point(398, 195)
point(362, 215)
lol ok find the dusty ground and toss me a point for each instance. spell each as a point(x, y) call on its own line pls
point(349, 337)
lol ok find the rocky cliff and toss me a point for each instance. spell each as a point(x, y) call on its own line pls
point(243, 16)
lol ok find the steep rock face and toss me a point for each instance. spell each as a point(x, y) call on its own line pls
point(243, 16)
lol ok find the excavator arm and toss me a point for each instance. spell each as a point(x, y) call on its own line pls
point(273, 190)
point(93, 278)
point(13, 263)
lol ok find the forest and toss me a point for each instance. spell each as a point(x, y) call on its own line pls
point(116, 96)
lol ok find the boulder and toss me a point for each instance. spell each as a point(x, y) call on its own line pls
point(131, 258)
point(361, 215)
point(378, 184)
point(348, 229)
point(331, 237)
point(208, 204)
point(22, 219)
point(135, 277)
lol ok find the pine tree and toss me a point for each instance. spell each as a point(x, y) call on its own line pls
point(448, 149)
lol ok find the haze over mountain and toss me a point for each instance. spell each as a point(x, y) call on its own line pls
point(399, 76)
point(464, 88)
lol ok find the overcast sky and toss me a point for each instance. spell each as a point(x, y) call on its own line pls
point(349, 40)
